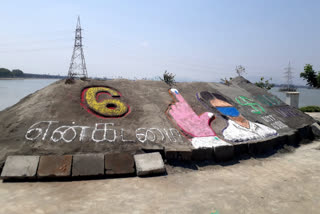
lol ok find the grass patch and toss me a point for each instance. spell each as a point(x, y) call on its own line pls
point(310, 109)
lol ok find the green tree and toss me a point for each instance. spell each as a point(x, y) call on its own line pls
point(168, 78)
point(240, 70)
point(17, 73)
point(5, 72)
point(310, 76)
point(264, 84)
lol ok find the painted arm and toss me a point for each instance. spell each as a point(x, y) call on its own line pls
point(187, 119)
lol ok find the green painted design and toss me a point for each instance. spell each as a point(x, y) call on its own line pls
point(268, 100)
point(244, 101)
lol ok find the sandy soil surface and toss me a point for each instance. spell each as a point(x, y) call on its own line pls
point(287, 182)
point(60, 103)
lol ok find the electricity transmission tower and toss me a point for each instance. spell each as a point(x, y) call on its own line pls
point(78, 64)
point(288, 74)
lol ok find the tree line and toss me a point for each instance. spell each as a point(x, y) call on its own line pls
point(6, 73)
point(17, 73)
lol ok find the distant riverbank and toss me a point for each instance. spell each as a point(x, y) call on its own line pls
point(12, 78)
point(6, 74)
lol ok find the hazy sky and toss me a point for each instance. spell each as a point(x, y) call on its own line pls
point(196, 40)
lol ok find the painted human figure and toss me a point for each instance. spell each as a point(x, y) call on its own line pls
point(197, 128)
point(239, 129)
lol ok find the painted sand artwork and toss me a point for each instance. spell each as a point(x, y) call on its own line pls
point(135, 116)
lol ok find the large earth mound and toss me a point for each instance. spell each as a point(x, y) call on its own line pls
point(134, 116)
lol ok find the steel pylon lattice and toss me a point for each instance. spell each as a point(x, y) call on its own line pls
point(78, 64)
point(289, 75)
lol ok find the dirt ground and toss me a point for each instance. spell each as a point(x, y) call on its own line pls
point(286, 182)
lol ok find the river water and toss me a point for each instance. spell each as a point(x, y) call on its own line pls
point(307, 97)
point(11, 91)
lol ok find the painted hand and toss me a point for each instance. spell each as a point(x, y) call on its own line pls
point(188, 120)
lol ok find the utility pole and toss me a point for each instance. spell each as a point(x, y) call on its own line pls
point(78, 64)
point(288, 76)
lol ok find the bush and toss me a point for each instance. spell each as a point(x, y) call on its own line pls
point(310, 109)
point(265, 84)
point(225, 81)
point(168, 78)
point(69, 80)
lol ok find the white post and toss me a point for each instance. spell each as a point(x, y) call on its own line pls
point(292, 98)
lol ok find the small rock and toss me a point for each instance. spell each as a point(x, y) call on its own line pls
point(149, 163)
point(119, 164)
point(55, 166)
point(20, 167)
point(316, 129)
